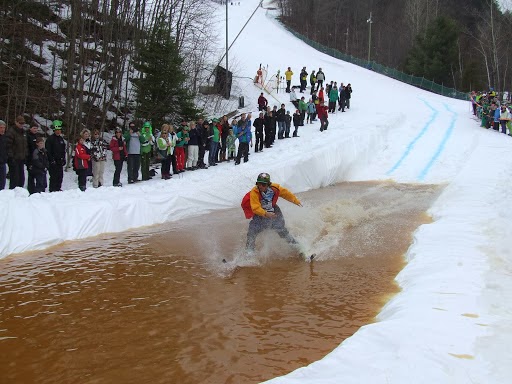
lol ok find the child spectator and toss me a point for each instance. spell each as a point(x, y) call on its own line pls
point(39, 166)
point(296, 122)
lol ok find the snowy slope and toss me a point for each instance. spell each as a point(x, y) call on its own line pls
point(451, 322)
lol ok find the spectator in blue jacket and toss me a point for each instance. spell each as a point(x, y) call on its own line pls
point(244, 136)
point(496, 121)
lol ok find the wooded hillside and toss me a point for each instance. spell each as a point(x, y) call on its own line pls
point(465, 44)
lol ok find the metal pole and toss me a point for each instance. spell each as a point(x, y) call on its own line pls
point(346, 42)
point(227, 49)
point(369, 21)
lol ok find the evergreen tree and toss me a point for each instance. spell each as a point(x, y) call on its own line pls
point(160, 90)
point(434, 55)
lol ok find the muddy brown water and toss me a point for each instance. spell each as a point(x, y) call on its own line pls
point(157, 305)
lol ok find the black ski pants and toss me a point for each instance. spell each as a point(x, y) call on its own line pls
point(259, 223)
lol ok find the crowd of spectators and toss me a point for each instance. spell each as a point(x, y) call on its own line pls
point(25, 152)
point(492, 111)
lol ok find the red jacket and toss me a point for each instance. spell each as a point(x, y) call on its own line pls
point(220, 127)
point(262, 101)
point(321, 96)
point(322, 111)
point(114, 147)
point(81, 157)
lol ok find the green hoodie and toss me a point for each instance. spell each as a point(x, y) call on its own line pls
point(145, 140)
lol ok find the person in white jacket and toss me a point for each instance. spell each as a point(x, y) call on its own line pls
point(293, 98)
point(505, 117)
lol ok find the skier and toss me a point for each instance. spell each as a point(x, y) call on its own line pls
point(260, 204)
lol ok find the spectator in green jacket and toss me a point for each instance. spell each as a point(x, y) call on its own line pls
point(312, 81)
point(333, 98)
point(303, 107)
point(146, 143)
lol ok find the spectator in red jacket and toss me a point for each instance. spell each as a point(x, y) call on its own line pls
point(323, 116)
point(119, 154)
point(262, 103)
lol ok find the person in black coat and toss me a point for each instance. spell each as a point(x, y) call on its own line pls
point(3, 155)
point(259, 124)
point(348, 95)
point(269, 121)
point(17, 152)
point(297, 119)
point(342, 98)
point(39, 165)
point(205, 143)
point(223, 137)
point(56, 150)
point(32, 146)
point(288, 123)
point(281, 121)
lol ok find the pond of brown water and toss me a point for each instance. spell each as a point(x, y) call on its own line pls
point(157, 305)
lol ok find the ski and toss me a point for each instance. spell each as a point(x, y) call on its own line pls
point(308, 257)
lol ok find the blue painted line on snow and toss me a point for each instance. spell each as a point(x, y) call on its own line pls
point(441, 146)
point(415, 140)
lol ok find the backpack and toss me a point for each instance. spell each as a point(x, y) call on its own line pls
point(246, 203)
point(246, 206)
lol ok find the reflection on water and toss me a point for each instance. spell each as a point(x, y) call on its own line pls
point(159, 306)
